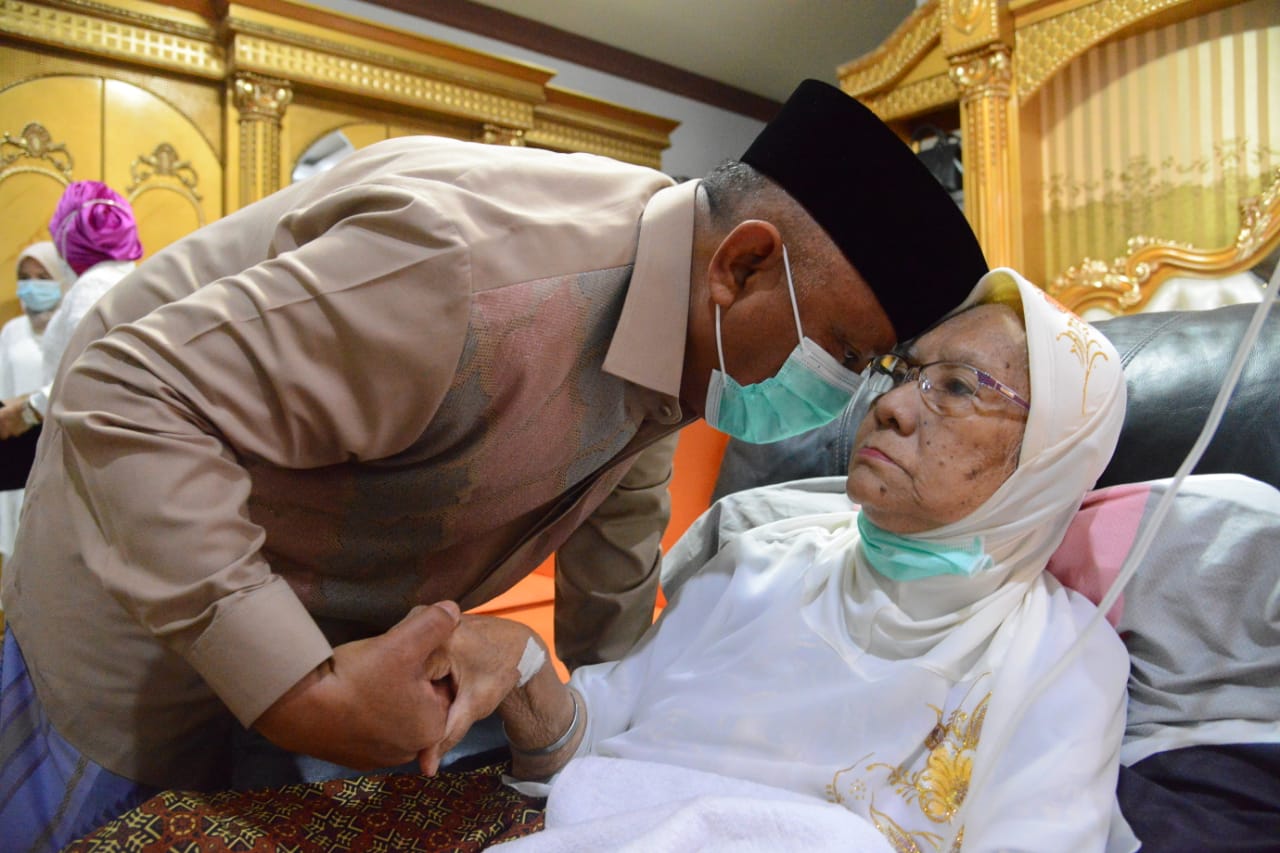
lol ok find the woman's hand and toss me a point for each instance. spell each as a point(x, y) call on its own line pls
point(377, 702)
point(12, 423)
point(481, 662)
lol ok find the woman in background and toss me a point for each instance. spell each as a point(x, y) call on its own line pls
point(94, 230)
point(42, 279)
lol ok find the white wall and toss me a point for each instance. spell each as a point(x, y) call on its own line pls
point(705, 137)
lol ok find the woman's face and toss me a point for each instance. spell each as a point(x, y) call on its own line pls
point(31, 268)
point(913, 469)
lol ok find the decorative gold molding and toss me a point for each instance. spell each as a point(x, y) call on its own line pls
point(133, 12)
point(114, 32)
point(988, 121)
point(561, 136)
point(571, 121)
point(908, 43)
point(248, 59)
point(34, 143)
point(163, 162)
point(914, 98)
point(1045, 46)
point(305, 65)
point(261, 102)
point(493, 134)
point(1128, 283)
point(414, 55)
point(259, 98)
point(162, 171)
point(985, 74)
point(968, 25)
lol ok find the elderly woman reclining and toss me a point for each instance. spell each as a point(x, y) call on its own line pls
point(881, 656)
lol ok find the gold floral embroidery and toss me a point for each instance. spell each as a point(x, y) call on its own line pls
point(900, 839)
point(938, 788)
point(1084, 344)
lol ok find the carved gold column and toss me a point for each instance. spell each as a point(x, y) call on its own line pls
point(977, 37)
point(260, 103)
point(989, 126)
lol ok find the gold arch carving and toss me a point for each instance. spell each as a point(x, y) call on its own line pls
point(162, 170)
point(1128, 283)
point(35, 143)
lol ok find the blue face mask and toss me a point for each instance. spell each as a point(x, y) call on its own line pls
point(901, 559)
point(37, 294)
point(810, 390)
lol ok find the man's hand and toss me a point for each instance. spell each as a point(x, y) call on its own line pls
point(482, 659)
point(12, 423)
point(377, 702)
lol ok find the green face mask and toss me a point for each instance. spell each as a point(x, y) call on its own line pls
point(810, 390)
point(901, 559)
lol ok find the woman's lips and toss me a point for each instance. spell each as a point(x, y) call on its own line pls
point(875, 453)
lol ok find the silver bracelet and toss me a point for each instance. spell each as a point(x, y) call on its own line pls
point(556, 745)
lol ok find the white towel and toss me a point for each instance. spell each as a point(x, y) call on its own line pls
point(626, 805)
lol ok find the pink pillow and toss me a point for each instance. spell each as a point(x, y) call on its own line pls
point(1098, 540)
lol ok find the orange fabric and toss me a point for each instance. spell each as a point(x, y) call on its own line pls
point(699, 451)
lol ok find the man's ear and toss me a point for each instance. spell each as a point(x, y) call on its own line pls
point(753, 246)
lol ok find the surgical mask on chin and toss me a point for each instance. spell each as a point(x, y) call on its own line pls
point(810, 390)
point(37, 294)
point(902, 559)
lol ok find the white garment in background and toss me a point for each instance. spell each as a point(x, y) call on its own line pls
point(1184, 293)
point(1198, 294)
point(77, 302)
point(21, 372)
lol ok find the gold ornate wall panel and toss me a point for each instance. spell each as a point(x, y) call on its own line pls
point(1119, 161)
point(1128, 283)
point(193, 112)
point(1087, 122)
point(879, 74)
point(1049, 35)
point(569, 121)
point(137, 33)
point(59, 128)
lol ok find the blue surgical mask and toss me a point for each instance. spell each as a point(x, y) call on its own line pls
point(38, 294)
point(810, 390)
point(900, 558)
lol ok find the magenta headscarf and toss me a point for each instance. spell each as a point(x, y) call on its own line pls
point(93, 223)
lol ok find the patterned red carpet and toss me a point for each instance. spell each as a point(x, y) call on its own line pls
point(465, 811)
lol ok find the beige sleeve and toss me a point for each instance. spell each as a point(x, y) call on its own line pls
point(607, 571)
point(338, 348)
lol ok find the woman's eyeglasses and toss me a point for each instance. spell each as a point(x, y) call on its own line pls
point(948, 387)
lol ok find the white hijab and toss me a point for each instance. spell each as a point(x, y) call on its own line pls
point(1077, 408)
point(996, 621)
point(46, 254)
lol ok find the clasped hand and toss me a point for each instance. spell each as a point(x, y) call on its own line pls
point(12, 424)
point(408, 694)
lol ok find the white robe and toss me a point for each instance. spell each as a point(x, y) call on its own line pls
point(21, 371)
point(741, 679)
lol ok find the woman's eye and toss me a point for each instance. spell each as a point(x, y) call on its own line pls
point(959, 387)
point(852, 359)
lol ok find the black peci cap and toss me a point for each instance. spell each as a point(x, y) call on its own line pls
point(876, 200)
